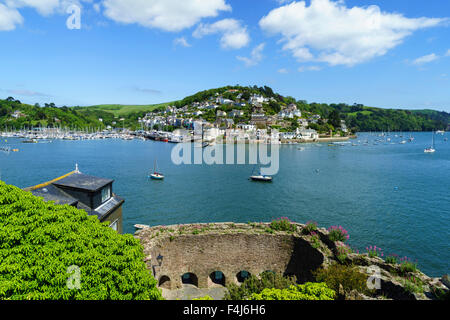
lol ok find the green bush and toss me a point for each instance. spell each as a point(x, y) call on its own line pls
point(283, 224)
point(349, 277)
point(39, 241)
point(253, 284)
point(308, 291)
point(440, 294)
point(338, 233)
point(408, 266)
point(204, 298)
point(343, 251)
point(309, 228)
point(392, 259)
point(413, 285)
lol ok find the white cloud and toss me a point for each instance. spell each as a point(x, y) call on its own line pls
point(26, 93)
point(255, 56)
point(328, 31)
point(426, 59)
point(283, 71)
point(168, 15)
point(448, 53)
point(234, 35)
point(44, 7)
point(309, 68)
point(9, 18)
point(181, 42)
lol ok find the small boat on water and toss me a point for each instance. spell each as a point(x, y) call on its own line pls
point(205, 144)
point(260, 177)
point(432, 148)
point(156, 175)
point(30, 141)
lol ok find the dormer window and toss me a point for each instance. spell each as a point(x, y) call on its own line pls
point(106, 194)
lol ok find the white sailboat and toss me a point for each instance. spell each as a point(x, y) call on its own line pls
point(260, 177)
point(432, 148)
point(156, 175)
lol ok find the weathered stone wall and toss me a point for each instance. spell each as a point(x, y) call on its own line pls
point(227, 250)
point(230, 248)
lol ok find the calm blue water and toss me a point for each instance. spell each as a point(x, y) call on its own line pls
point(390, 195)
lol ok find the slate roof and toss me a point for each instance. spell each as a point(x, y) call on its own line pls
point(83, 182)
point(54, 191)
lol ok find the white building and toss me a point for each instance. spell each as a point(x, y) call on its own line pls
point(307, 134)
point(246, 127)
point(236, 113)
point(258, 99)
point(221, 113)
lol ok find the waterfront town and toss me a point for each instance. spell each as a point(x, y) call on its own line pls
point(218, 118)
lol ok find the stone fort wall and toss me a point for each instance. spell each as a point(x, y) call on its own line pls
point(229, 250)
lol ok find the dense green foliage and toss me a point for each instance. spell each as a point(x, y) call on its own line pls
point(74, 118)
point(307, 291)
point(361, 118)
point(39, 241)
point(47, 116)
point(245, 92)
point(283, 224)
point(358, 117)
point(255, 285)
point(341, 275)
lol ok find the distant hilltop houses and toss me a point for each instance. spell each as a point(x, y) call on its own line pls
point(255, 114)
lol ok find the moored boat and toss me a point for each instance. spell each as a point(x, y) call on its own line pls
point(432, 148)
point(156, 175)
point(261, 178)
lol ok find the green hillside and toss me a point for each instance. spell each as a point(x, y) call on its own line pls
point(119, 110)
point(16, 115)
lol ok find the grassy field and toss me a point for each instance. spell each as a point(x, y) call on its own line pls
point(122, 110)
point(365, 112)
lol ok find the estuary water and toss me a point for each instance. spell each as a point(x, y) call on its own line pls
point(387, 194)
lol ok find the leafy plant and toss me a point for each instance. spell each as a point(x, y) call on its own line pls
point(407, 266)
point(253, 284)
point(343, 251)
point(43, 246)
point(307, 291)
point(204, 298)
point(315, 240)
point(338, 233)
point(392, 259)
point(283, 224)
point(413, 285)
point(441, 294)
point(349, 277)
point(310, 227)
point(374, 252)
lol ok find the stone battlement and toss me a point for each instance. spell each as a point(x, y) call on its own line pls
point(227, 252)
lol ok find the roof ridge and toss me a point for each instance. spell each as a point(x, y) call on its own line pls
point(45, 184)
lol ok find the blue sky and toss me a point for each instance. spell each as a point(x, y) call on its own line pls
point(382, 53)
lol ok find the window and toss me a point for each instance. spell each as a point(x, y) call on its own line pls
point(114, 225)
point(106, 194)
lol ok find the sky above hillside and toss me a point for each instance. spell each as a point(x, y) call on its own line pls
point(382, 53)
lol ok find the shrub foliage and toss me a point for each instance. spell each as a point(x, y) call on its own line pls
point(253, 284)
point(349, 277)
point(39, 241)
point(308, 291)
